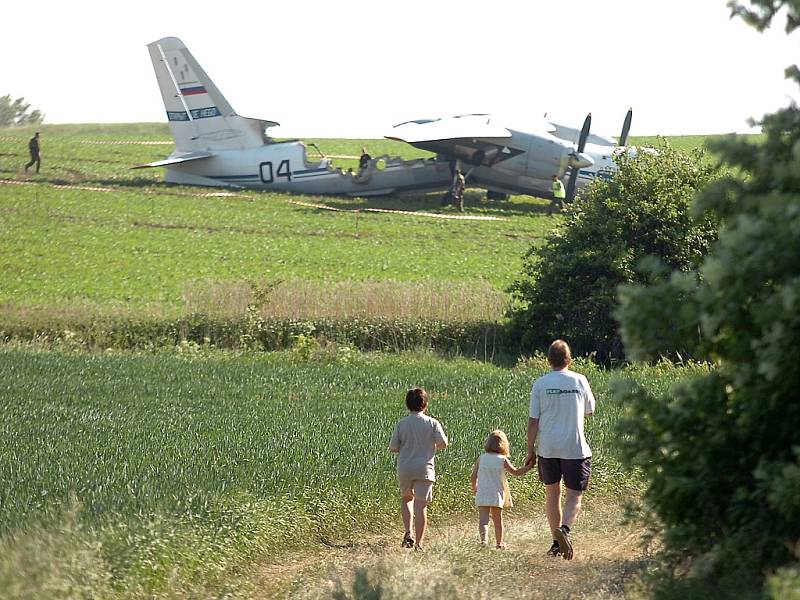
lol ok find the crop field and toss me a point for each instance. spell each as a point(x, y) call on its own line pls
point(136, 474)
point(90, 237)
point(187, 465)
point(90, 232)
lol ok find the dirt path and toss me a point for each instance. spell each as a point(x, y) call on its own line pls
point(607, 555)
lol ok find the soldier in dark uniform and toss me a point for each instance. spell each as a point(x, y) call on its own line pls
point(33, 148)
point(458, 190)
point(363, 161)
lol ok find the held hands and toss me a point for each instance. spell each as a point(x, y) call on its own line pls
point(530, 460)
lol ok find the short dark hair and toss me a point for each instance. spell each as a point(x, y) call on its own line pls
point(559, 354)
point(416, 399)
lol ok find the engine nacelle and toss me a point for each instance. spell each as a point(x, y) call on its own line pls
point(546, 157)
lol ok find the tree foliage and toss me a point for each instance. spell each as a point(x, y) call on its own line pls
point(569, 285)
point(722, 453)
point(14, 113)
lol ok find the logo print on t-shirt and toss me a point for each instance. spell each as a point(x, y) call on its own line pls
point(557, 391)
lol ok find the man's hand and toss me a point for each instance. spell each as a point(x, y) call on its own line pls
point(530, 460)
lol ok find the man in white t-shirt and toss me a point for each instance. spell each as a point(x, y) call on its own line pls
point(416, 439)
point(559, 402)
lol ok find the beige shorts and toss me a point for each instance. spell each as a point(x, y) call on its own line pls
point(419, 488)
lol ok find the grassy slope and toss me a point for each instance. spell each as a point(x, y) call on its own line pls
point(140, 245)
point(169, 459)
point(196, 463)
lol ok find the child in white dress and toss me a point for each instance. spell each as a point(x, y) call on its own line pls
point(490, 486)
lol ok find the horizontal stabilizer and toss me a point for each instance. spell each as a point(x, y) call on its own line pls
point(176, 159)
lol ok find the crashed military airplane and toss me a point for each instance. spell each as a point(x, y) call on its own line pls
point(216, 147)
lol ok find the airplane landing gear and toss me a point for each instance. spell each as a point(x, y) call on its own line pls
point(490, 195)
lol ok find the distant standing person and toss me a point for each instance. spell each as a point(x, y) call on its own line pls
point(33, 148)
point(559, 194)
point(363, 161)
point(559, 402)
point(459, 185)
point(416, 439)
point(490, 486)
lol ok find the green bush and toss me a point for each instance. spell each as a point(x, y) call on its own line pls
point(569, 286)
point(722, 454)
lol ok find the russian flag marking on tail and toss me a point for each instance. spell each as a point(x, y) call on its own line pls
point(193, 91)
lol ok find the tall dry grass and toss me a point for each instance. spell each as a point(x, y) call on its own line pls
point(298, 299)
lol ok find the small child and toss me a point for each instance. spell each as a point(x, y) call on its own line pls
point(416, 439)
point(490, 486)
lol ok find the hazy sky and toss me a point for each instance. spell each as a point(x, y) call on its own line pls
point(354, 69)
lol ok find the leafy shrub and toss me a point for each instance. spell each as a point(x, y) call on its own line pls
point(569, 286)
point(722, 453)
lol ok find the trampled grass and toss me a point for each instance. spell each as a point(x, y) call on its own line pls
point(175, 468)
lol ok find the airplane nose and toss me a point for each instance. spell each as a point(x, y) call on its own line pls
point(580, 160)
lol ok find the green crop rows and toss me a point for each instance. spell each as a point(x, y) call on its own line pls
point(191, 462)
point(127, 474)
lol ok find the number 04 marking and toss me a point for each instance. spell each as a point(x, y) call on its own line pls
point(268, 175)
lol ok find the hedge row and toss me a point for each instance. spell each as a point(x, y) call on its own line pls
point(478, 339)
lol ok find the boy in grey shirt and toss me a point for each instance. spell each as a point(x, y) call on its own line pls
point(415, 440)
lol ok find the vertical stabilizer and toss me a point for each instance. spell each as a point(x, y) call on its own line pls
point(199, 115)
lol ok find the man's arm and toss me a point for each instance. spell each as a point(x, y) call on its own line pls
point(589, 400)
point(533, 432)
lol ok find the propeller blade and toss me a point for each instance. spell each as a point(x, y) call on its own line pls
point(587, 123)
point(573, 178)
point(626, 127)
point(573, 172)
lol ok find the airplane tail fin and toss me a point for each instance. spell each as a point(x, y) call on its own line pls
point(200, 117)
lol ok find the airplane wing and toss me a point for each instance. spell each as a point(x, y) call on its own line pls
point(472, 138)
point(465, 127)
point(176, 159)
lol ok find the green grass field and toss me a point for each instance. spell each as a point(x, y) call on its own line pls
point(134, 244)
point(166, 473)
point(141, 243)
point(199, 464)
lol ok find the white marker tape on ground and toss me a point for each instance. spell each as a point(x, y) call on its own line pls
point(405, 213)
point(126, 142)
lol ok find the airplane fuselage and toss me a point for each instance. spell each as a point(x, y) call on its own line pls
point(214, 146)
point(284, 166)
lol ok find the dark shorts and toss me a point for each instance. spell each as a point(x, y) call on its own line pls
point(575, 472)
